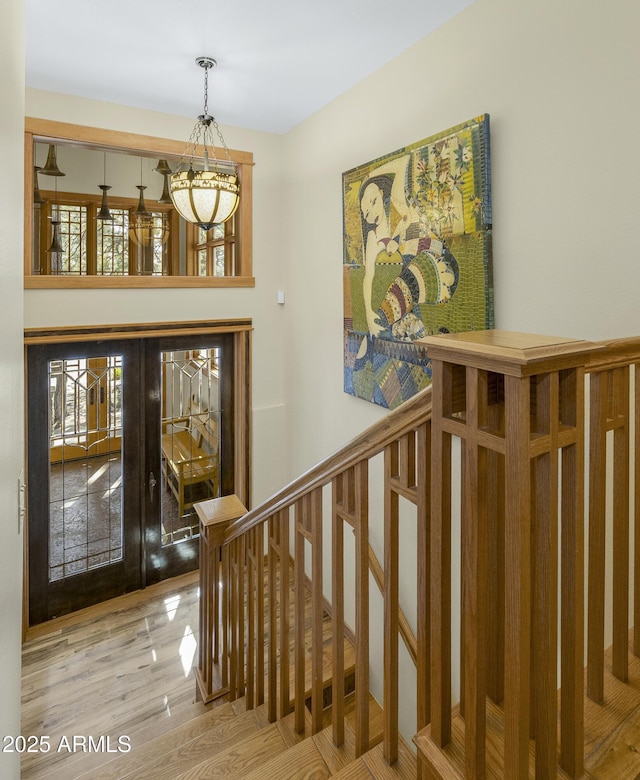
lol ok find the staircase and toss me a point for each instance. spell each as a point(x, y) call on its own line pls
point(516, 403)
point(234, 743)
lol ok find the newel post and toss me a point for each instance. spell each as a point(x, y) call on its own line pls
point(212, 672)
point(516, 403)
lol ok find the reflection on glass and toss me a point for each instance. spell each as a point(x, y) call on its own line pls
point(85, 464)
point(190, 438)
point(166, 245)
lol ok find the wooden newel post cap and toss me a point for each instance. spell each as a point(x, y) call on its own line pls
point(506, 352)
point(216, 514)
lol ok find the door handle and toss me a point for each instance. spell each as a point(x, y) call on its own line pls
point(152, 483)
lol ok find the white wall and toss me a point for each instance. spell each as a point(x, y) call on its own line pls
point(560, 81)
point(69, 307)
point(11, 371)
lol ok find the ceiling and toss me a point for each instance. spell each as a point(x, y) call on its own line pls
point(279, 61)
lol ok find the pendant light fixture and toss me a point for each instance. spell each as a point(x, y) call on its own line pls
point(205, 197)
point(51, 169)
point(165, 171)
point(37, 195)
point(56, 247)
point(144, 228)
point(51, 165)
point(104, 212)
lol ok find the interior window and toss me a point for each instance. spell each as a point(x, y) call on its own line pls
point(106, 212)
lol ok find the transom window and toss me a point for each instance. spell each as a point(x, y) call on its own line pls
point(94, 252)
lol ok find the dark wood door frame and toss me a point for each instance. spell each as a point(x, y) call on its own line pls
point(240, 336)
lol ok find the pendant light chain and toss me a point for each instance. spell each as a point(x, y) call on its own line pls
point(206, 91)
point(212, 119)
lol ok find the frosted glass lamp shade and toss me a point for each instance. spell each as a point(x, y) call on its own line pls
point(206, 198)
point(146, 229)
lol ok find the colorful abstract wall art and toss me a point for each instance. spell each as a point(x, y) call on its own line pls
point(417, 258)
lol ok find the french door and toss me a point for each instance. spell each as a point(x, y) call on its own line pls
point(124, 437)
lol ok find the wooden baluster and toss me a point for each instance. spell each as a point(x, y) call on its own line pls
point(272, 666)
point(283, 554)
point(597, 535)
point(544, 585)
point(441, 556)
point(337, 590)
point(233, 621)
point(213, 574)
point(241, 615)
point(518, 576)
point(209, 639)
point(423, 670)
point(224, 596)
point(407, 460)
point(620, 415)
point(474, 573)
point(251, 618)
point(391, 516)
point(572, 577)
point(300, 618)
point(260, 613)
point(317, 612)
point(496, 583)
point(361, 515)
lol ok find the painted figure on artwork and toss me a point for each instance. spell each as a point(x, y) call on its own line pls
point(393, 234)
point(417, 258)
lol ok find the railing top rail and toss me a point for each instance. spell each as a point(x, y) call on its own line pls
point(614, 353)
point(370, 442)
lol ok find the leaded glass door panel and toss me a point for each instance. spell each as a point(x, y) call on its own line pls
point(192, 432)
point(124, 437)
point(84, 528)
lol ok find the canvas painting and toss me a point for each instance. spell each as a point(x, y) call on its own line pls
point(417, 258)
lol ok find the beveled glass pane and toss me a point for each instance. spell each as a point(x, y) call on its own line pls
point(190, 438)
point(85, 464)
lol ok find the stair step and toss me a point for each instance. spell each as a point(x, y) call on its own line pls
point(241, 760)
point(356, 770)
point(188, 745)
point(301, 762)
point(327, 671)
point(372, 766)
point(448, 763)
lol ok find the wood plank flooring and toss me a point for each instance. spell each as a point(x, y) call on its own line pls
point(121, 669)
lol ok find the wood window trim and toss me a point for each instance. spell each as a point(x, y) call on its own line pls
point(228, 241)
point(49, 131)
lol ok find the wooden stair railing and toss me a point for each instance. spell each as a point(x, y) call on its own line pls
point(266, 621)
point(248, 597)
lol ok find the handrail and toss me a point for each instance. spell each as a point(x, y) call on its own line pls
point(614, 353)
point(372, 441)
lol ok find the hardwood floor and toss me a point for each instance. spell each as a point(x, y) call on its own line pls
point(118, 670)
point(121, 673)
